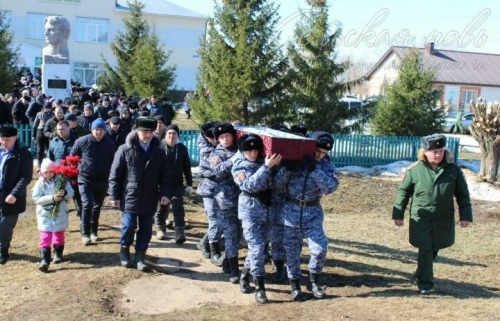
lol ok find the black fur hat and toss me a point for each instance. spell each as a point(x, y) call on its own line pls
point(433, 142)
point(248, 142)
point(223, 128)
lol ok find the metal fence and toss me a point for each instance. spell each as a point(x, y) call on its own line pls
point(348, 150)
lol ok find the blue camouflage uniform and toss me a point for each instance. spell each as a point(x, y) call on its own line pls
point(254, 208)
point(207, 186)
point(226, 197)
point(305, 220)
point(276, 233)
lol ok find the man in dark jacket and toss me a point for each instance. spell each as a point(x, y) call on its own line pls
point(75, 128)
point(50, 126)
point(180, 167)
point(59, 148)
point(96, 152)
point(168, 111)
point(34, 108)
point(19, 111)
point(88, 116)
point(139, 177)
point(16, 169)
point(115, 132)
point(41, 141)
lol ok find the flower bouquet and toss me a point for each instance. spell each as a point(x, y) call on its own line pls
point(65, 171)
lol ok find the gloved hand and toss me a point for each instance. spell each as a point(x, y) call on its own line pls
point(189, 190)
point(309, 162)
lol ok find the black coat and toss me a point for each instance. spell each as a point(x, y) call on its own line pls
point(135, 180)
point(179, 163)
point(17, 173)
point(118, 137)
point(96, 157)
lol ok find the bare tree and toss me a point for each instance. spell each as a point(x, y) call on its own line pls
point(485, 129)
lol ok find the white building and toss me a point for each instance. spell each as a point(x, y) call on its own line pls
point(94, 25)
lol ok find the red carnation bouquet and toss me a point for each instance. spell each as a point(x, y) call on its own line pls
point(66, 170)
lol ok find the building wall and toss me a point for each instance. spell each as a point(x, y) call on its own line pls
point(181, 35)
point(385, 75)
point(490, 93)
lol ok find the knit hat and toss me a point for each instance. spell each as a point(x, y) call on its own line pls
point(433, 142)
point(323, 140)
point(98, 123)
point(160, 118)
point(172, 127)
point(47, 165)
point(248, 142)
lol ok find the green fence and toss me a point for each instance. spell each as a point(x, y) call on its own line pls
point(348, 150)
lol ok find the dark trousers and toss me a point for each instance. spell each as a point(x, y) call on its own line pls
point(144, 233)
point(77, 199)
point(177, 204)
point(7, 225)
point(93, 194)
point(425, 272)
point(42, 145)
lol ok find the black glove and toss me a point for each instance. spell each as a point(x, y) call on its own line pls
point(309, 162)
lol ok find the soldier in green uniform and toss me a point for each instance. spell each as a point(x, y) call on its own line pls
point(432, 183)
point(458, 123)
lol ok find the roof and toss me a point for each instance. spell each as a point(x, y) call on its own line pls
point(453, 67)
point(161, 7)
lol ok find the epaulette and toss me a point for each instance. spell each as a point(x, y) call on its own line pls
point(412, 165)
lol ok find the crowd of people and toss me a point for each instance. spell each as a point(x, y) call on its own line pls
point(129, 149)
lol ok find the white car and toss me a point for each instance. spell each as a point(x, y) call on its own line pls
point(451, 119)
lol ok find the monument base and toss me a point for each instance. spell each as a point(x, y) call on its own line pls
point(56, 80)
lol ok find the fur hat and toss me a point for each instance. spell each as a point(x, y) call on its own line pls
point(145, 123)
point(8, 131)
point(323, 140)
point(433, 142)
point(223, 128)
point(208, 128)
point(47, 165)
point(300, 129)
point(248, 142)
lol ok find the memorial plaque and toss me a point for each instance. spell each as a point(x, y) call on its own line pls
point(58, 83)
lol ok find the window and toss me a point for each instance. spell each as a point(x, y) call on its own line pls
point(91, 30)
point(86, 73)
point(36, 24)
point(467, 96)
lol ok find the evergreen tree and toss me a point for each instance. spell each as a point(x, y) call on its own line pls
point(8, 56)
point(410, 106)
point(315, 75)
point(147, 71)
point(138, 51)
point(241, 64)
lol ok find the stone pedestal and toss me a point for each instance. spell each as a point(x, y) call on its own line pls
point(56, 80)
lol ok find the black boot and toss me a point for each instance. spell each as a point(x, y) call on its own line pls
point(58, 253)
point(279, 276)
point(244, 281)
point(45, 262)
point(314, 286)
point(179, 235)
point(234, 275)
point(125, 259)
point(204, 246)
point(297, 294)
point(267, 254)
point(93, 232)
point(260, 293)
point(215, 255)
point(225, 266)
point(4, 255)
point(140, 256)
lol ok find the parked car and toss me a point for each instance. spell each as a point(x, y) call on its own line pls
point(451, 119)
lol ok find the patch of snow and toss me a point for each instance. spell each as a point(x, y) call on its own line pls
point(472, 165)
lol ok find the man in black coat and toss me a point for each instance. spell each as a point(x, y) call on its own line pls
point(180, 168)
point(16, 169)
point(115, 132)
point(139, 177)
point(96, 152)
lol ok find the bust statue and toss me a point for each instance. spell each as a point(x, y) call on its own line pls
point(57, 31)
